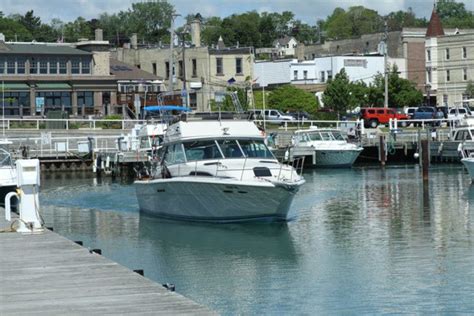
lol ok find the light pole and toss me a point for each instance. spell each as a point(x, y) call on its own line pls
point(385, 66)
point(171, 63)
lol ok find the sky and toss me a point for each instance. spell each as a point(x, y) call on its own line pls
point(309, 11)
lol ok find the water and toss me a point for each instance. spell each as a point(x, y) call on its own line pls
point(366, 241)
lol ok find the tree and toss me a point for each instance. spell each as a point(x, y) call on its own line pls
point(151, 20)
point(337, 95)
point(14, 30)
point(454, 14)
point(290, 98)
point(31, 22)
point(470, 89)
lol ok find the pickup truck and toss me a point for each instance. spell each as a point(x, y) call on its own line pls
point(374, 116)
point(427, 113)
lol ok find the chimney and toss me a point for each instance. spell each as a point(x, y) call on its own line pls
point(99, 35)
point(196, 31)
point(134, 41)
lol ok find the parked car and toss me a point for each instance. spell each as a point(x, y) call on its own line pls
point(427, 113)
point(458, 113)
point(299, 115)
point(374, 116)
point(272, 115)
point(410, 111)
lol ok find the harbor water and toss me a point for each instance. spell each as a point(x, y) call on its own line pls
point(363, 241)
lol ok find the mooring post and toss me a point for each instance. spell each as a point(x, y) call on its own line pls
point(382, 153)
point(425, 158)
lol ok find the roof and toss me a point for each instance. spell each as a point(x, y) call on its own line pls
point(435, 28)
point(283, 40)
point(212, 130)
point(123, 71)
point(41, 49)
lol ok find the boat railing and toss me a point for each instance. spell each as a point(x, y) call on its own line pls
point(296, 165)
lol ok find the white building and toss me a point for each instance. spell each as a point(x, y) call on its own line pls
point(286, 46)
point(272, 72)
point(320, 70)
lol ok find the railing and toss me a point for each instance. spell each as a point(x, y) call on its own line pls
point(67, 124)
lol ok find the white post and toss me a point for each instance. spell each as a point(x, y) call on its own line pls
point(390, 124)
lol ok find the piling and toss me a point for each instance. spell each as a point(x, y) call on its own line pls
point(425, 151)
point(382, 151)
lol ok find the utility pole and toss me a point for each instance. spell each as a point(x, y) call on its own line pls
point(385, 65)
point(171, 63)
point(183, 35)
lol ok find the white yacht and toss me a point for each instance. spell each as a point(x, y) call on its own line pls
point(466, 149)
point(331, 148)
point(218, 171)
point(8, 179)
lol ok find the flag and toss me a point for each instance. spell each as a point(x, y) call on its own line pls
point(231, 80)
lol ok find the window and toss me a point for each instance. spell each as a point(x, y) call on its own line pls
point(75, 66)
point(194, 64)
point(323, 78)
point(201, 150)
point(20, 65)
point(153, 65)
point(167, 66)
point(464, 52)
point(10, 66)
point(380, 111)
point(2, 66)
point(86, 66)
point(305, 74)
point(53, 66)
point(63, 66)
point(428, 55)
point(329, 74)
point(464, 74)
point(85, 98)
point(428, 75)
point(174, 154)
point(219, 66)
point(447, 53)
point(181, 69)
point(255, 149)
point(445, 99)
point(448, 75)
point(238, 66)
point(43, 66)
point(230, 148)
point(33, 66)
point(295, 75)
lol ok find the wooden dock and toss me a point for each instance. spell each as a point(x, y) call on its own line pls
point(46, 274)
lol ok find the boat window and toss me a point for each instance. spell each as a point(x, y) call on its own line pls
point(174, 154)
point(5, 158)
point(230, 148)
point(144, 142)
point(315, 136)
point(202, 150)
point(326, 136)
point(255, 149)
point(338, 136)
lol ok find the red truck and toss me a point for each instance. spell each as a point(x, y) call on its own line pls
point(374, 116)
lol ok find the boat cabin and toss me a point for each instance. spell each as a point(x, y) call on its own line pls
point(311, 135)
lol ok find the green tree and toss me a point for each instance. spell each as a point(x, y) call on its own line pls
point(290, 98)
point(338, 25)
point(454, 14)
point(151, 20)
point(337, 95)
point(14, 30)
point(470, 89)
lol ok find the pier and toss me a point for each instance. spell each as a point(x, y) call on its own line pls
point(47, 274)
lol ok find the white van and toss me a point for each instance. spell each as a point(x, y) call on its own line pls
point(272, 115)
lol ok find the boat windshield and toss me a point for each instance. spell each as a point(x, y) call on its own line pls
point(255, 149)
point(5, 157)
point(201, 150)
point(315, 136)
point(338, 136)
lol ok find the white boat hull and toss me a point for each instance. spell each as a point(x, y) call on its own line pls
point(336, 158)
point(469, 164)
point(215, 200)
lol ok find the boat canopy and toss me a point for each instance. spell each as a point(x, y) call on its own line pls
point(153, 108)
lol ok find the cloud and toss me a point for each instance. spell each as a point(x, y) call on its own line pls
point(306, 10)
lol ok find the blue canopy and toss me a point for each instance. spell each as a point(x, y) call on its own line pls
point(166, 108)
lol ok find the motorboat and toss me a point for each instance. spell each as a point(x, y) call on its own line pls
point(8, 177)
point(218, 171)
point(466, 149)
point(331, 147)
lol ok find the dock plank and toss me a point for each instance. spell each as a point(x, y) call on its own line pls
point(47, 274)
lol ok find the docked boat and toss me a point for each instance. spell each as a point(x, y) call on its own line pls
point(218, 171)
point(331, 148)
point(8, 178)
point(466, 149)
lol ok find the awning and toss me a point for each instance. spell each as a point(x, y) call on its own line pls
point(53, 86)
point(166, 108)
point(15, 86)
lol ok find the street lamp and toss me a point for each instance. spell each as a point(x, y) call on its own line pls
point(428, 91)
